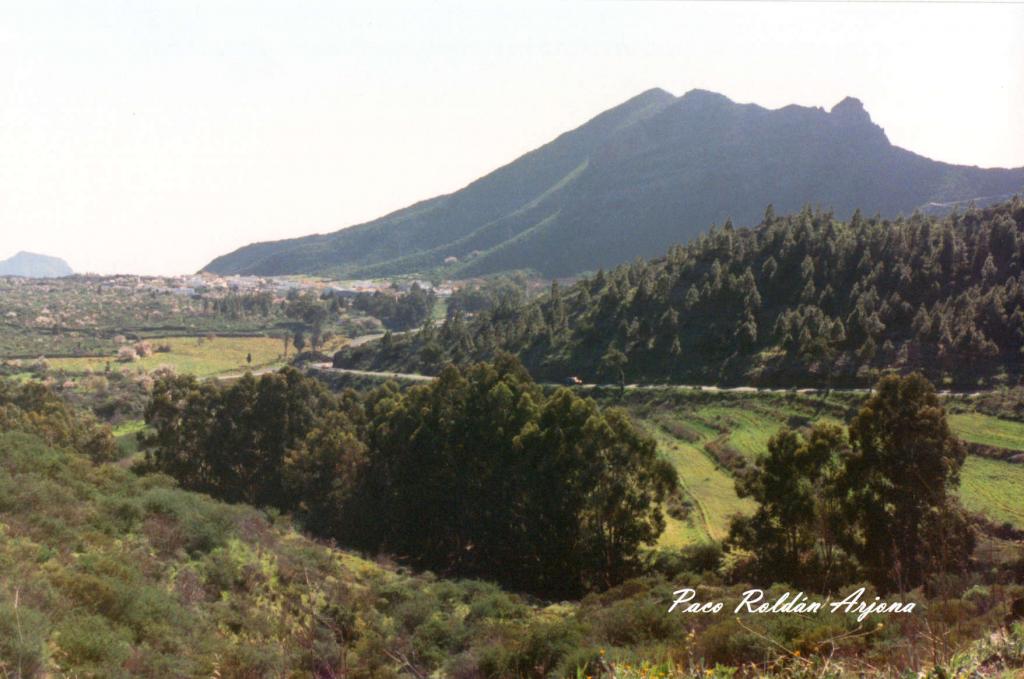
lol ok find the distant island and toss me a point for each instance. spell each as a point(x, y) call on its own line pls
point(32, 265)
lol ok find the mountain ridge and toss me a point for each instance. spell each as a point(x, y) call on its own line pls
point(653, 171)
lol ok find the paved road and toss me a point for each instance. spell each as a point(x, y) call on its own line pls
point(712, 389)
point(407, 377)
point(363, 339)
point(417, 377)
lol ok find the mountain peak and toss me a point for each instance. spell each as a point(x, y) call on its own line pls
point(700, 96)
point(851, 109)
point(653, 171)
point(655, 93)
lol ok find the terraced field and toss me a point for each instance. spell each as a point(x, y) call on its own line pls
point(991, 487)
point(749, 430)
point(710, 488)
point(988, 430)
point(994, 488)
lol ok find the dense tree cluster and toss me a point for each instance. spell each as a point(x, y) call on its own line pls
point(240, 305)
point(800, 299)
point(309, 315)
point(478, 473)
point(397, 311)
point(473, 298)
point(877, 499)
point(231, 442)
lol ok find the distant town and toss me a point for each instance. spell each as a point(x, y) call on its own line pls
point(205, 283)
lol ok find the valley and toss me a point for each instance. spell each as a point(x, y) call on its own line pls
point(509, 476)
point(664, 340)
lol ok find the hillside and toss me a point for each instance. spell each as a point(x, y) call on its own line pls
point(31, 265)
point(803, 299)
point(117, 572)
point(110, 573)
point(653, 171)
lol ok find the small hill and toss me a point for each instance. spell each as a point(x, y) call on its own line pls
point(651, 172)
point(803, 299)
point(32, 265)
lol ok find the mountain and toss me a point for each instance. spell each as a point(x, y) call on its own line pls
point(31, 265)
point(653, 171)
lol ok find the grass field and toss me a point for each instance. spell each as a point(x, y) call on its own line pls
point(748, 424)
point(749, 429)
point(710, 488)
point(988, 430)
point(990, 487)
point(994, 488)
point(197, 356)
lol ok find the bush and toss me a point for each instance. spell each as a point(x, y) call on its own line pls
point(729, 644)
point(541, 648)
point(203, 524)
point(496, 606)
point(23, 634)
point(89, 644)
point(635, 621)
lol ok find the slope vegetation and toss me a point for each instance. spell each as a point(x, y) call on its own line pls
point(800, 300)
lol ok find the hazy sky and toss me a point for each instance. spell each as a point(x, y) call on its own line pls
point(149, 137)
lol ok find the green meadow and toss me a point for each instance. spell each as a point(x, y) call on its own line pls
point(200, 356)
point(709, 487)
point(993, 488)
point(988, 430)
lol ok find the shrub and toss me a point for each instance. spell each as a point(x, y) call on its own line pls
point(204, 524)
point(695, 558)
point(89, 644)
point(727, 643)
point(636, 620)
point(496, 606)
point(438, 638)
point(541, 649)
point(23, 634)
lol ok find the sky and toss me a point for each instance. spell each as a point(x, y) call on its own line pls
point(150, 137)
